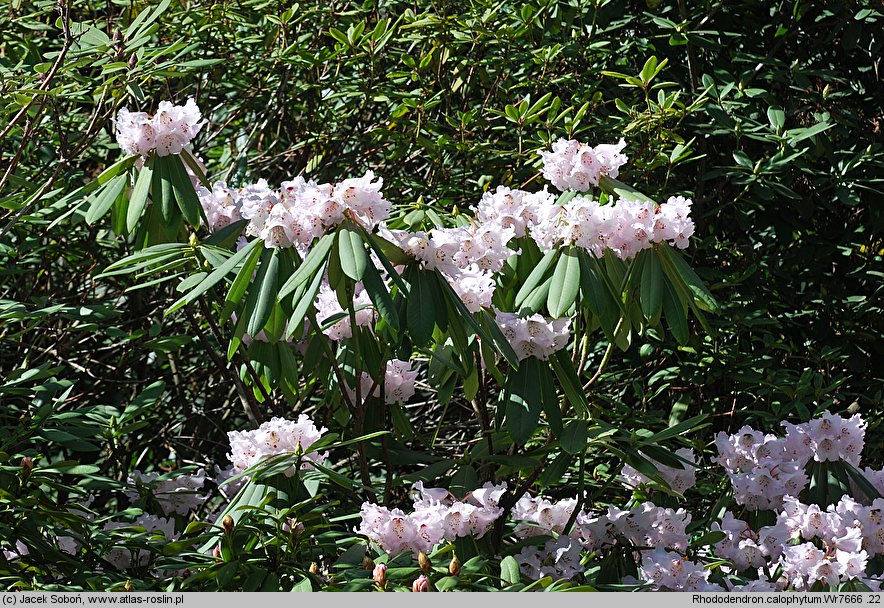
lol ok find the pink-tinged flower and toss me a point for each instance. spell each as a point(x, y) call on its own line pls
point(534, 336)
point(420, 584)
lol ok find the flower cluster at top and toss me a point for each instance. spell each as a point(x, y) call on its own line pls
point(436, 516)
point(763, 468)
point(572, 165)
point(278, 436)
point(299, 211)
point(168, 131)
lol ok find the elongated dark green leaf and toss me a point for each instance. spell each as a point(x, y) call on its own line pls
point(383, 249)
point(104, 198)
point(549, 397)
point(536, 277)
point(317, 257)
point(676, 314)
point(185, 194)
point(303, 303)
point(676, 430)
point(651, 296)
point(214, 277)
point(138, 198)
point(536, 300)
point(565, 284)
point(573, 438)
point(678, 270)
point(380, 297)
point(241, 282)
point(524, 400)
point(267, 276)
point(354, 259)
point(420, 307)
point(161, 188)
point(569, 381)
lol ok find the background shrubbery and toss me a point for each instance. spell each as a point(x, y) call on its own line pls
point(768, 115)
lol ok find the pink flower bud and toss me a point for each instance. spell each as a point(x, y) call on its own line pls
point(420, 584)
point(380, 575)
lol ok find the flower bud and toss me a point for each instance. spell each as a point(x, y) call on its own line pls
point(454, 566)
point(380, 575)
point(367, 563)
point(294, 526)
point(27, 465)
point(216, 552)
point(420, 584)
point(314, 568)
point(424, 562)
point(128, 586)
point(227, 524)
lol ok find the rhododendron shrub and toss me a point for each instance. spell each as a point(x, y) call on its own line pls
point(345, 317)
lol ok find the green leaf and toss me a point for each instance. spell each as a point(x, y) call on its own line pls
point(104, 197)
point(509, 570)
point(267, 276)
point(214, 277)
point(303, 303)
point(420, 307)
point(351, 250)
point(317, 257)
point(138, 198)
point(569, 381)
point(161, 188)
point(549, 397)
point(380, 297)
point(565, 284)
point(676, 314)
point(185, 194)
point(536, 277)
point(651, 293)
point(573, 438)
point(678, 270)
point(524, 401)
point(242, 280)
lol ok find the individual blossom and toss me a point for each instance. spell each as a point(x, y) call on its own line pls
point(516, 210)
point(398, 382)
point(534, 336)
point(220, 204)
point(278, 436)
point(831, 437)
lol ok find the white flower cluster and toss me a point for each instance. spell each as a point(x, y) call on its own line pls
point(299, 211)
point(763, 468)
point(467, 256)
point(679, 479)
point(328, 307)
point(645, 525)
point(534, 336)
point(847, 535)
point(670, 571)
point(436, 516)
point(572, 165)
point(177, 495)
point(168, 131)
point(831, 437)
point(625, 226)
point(278, 436)
point(398, 382)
